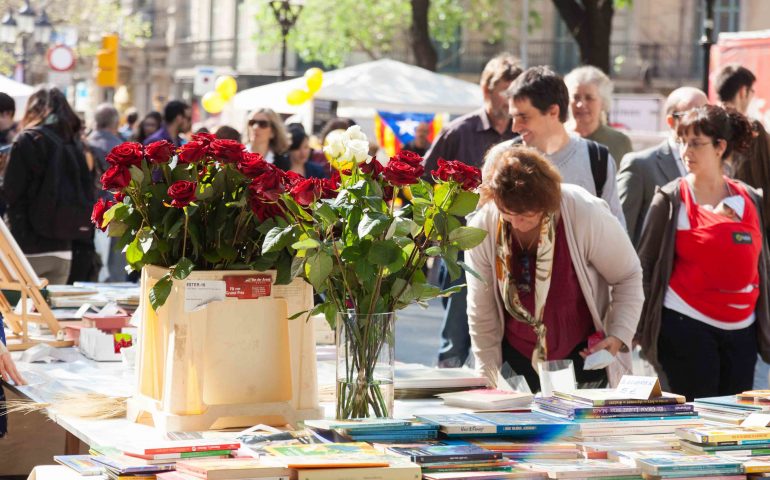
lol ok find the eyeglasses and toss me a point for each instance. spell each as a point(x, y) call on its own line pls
point(692, 145)
point(524, 282)
point(259, 123)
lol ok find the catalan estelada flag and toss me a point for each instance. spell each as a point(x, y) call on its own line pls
point(394, 130)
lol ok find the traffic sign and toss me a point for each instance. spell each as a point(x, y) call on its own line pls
point(61, 58)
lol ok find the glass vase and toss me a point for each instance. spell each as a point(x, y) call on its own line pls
point(365, 356)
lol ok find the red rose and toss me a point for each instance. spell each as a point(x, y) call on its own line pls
point(402, 173)
point(268, 186)
point(182, 193)
point(227, 151)
point(206, 138)
point(290, 178)
point(264, 210)
point(116, 177)
point(467, 176)
point(193, 151)
point(160, 151)
point(373, 167)
point(306, 191)
point(253, 165)
point(119, 197)
point(126, 154)
point(329, 187)
point(97, 215)
point(409, 157)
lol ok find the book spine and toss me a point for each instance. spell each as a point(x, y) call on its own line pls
point(603, 412)
point(727, 437)
point(200, 448)
point(470, 429)
point(473, 457)
point(721, 469)
point(400, 473)
point(171, 456)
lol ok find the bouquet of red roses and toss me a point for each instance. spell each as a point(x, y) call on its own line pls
point(202, 206)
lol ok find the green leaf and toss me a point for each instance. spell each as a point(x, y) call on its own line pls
point(110, 214)
point(325, 213)
point(440, 193)
point(145, 237)
point(204, 192)
point(306, 244)
point(473, 272)
point(283, 269)
point(372, 223)
point(136, 174)
point(182, 269)
point(451, 290)
point(117, 229)
point(434, 251)
point(384, 253)
point(134, 252)
point(277, 238)
point(453, 268)
point(464, 203)
point(160, 292)
point(467, 237)
point(176, 227)
point(211, 256)
point(227, 252)
point(317, 268)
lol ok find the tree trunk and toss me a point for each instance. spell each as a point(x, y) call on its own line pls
point(424, 53)
point(590, 23)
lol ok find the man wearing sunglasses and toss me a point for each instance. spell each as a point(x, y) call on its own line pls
point(640, 172)
point(177, 119)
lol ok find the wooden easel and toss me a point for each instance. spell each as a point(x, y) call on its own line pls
point(16, 274)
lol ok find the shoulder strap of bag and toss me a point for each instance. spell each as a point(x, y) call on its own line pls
point(599, 156)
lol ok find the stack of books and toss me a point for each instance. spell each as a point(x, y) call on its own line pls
point(729, 440)
point(600, 450)
point(375, 430)
point(418, 381)
point(523, 450)
point(533, 425)
point(340, 461)
point(606, 415)
point(676, 465)
point(732, 409)
point(582, 469)
point(225, 469)
point(458, 460)
point(489, 399)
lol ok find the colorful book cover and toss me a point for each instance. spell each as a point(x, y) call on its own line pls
point(321, 449)
point(178, 455)
point(731, 434)
point(607, 397)
point(82, 464)
point(505, 424)
point(446, 453)
point(182, 446)
point(580, 410)
point(126, 464)
point(230, 468)
point(688, 463)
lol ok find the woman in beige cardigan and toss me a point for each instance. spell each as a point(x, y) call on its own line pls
point(562, 279)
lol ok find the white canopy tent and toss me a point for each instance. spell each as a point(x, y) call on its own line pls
point(379, 85)
point(20, 92)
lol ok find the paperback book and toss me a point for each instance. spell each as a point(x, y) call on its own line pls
point(523, 425)
point(446, 453)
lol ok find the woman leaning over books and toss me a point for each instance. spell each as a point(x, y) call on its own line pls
point(705, 266)
point(558, 268)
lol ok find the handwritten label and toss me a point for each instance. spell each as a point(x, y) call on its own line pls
point(199, 293)
point(638, 387)
point(756, 420)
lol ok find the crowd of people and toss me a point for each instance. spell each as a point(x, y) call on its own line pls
point(590, 245)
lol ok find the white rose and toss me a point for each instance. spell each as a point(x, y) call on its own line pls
point(359, 150)
point(354, 133)
point(335, 145)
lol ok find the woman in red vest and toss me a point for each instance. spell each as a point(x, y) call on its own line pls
point(704, 260)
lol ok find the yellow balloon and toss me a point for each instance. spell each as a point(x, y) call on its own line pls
point(226, 86)
point(297, 97)
point(314, 78)
point(213, 102)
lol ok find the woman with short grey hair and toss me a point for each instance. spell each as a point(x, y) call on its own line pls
point(590, 92)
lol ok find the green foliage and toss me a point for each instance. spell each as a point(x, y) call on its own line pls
point(327, 31)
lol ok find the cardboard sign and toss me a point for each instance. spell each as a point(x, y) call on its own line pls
point(638, 387)
point(199, 293)
point(246, 287)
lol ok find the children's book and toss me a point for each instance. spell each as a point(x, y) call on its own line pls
point(505, 424)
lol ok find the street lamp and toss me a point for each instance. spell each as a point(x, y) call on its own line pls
point(286, 13)
point(27, 26)
point(706, 41)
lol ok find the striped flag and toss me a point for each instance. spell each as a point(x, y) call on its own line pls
point(394, 130)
